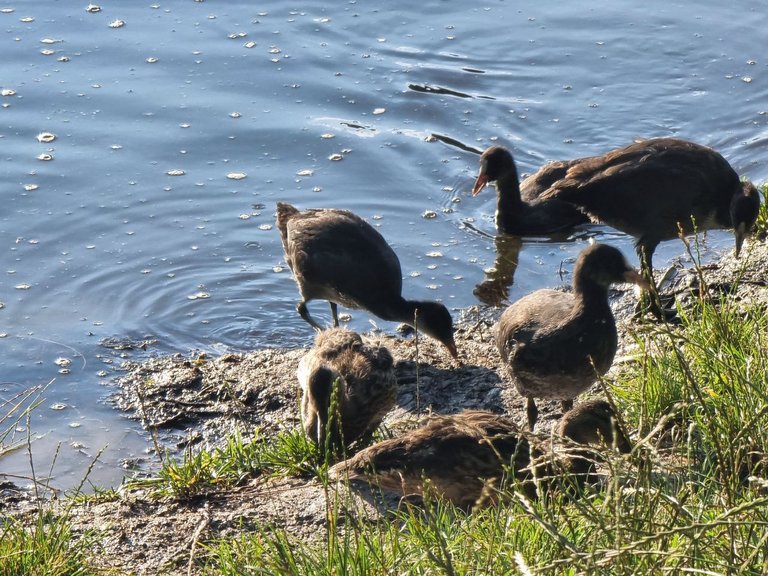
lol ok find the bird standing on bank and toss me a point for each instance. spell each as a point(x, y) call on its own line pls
point(555, 344)
point(653, 189)
point(337, 256)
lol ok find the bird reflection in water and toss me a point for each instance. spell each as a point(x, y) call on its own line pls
point(494, 289)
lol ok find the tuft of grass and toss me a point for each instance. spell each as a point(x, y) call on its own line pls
point(709, 380)
point(291, 453)
point(43, 545)
point(99, 495)
point(761, 225)
point(199, 471)
point(47, 548)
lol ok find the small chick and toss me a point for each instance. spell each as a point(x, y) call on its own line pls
point(361, 379)
point(464, 457)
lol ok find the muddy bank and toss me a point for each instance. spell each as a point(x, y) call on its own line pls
point(198, 401)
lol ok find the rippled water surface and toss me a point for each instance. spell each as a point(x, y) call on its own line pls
point(179, 125)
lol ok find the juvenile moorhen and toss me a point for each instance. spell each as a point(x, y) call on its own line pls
point(519, 208)
point(337, 256)
point(463, 457)
point(585, 423)
point(556, 344)
point(348, 386)
point(652, 188)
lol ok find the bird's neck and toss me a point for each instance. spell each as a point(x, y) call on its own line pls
point(585, 290)
point(510, 209)
point(397, 310)
point(508, 190)
point(593, 297)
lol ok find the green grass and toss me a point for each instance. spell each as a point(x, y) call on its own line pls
point(627, 531)
point(708, 383)
point(197, 472)
point(761, 226)
point(43, 543)
point(46, 548)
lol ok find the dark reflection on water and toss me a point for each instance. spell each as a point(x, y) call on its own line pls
point(437, 90)
point(494, 289)
point(380, 111)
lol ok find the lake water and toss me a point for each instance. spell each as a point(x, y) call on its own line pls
point(150, 215)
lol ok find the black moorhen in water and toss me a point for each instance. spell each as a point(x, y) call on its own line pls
point(363, 376)
point(463, 457)
point(556, 344)
point(337, 256)
point(652, 187)
point(519, 208)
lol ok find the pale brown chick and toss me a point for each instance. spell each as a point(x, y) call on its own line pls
point(358, 375)
point(464, 457)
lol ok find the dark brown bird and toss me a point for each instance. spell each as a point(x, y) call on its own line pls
point(519, 208)
point(555, 344)
point(347, 388)
point(652, 188)
point(586, 423)
point(463, 457)
point(337, 256)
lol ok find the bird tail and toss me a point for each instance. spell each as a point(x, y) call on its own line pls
point(284, 213)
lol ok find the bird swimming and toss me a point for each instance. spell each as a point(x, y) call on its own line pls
point(520, 210)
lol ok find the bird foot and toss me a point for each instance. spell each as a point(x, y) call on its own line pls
point(662, 308)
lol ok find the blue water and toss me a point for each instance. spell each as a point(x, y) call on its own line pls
point(372, 109)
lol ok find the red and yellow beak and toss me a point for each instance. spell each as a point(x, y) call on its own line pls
point(480, 183)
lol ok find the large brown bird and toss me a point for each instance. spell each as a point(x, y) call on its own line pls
point(519, 208)
point(555, 344)
point(360, 377)
point(653, 188)
point(337, 256)
point(463, 457)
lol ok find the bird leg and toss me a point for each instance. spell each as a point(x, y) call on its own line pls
point(650, 299)
point(334, 313)
point(532, 412)
point(304, 313)
point(645, 255)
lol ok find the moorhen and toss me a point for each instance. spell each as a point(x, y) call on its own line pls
point(519, 208)
point(653, 188)
point(463, 457)
point(337, 256)
point(555, 344)
point(347, 386)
